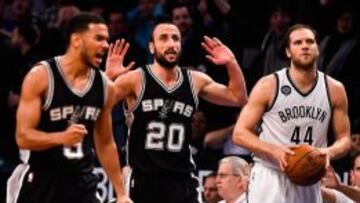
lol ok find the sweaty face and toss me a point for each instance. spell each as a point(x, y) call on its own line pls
point(166, 45)
point(303, 49)
point(94, 44)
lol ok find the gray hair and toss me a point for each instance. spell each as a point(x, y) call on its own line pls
point(238, 165)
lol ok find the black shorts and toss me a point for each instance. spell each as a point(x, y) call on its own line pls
point(27, 185)
point(147, 188)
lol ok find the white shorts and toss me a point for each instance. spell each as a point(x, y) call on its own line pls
point(272, 186)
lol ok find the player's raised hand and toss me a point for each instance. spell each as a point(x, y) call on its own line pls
point(218, 53)
point(115, 59)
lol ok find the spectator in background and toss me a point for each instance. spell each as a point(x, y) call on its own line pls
point(232, 179)
point(274, 57)
point(181, 16)
point(141, 20)
point(210, 193)
point(333, 191)
point(222, 138)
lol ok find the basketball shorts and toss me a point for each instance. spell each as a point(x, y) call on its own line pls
point(147, 188)
point(269, 185)
point(27, 185)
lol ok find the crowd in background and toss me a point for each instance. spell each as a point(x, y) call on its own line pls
point(31, 30)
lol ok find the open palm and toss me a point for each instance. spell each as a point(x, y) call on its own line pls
point(115, 59)
point(218, 53)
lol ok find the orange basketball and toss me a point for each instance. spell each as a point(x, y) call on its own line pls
point(307, 166)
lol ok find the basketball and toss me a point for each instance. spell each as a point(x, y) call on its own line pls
point(306, 166)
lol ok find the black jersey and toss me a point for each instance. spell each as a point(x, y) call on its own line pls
point(64, 106)
point(160, 125)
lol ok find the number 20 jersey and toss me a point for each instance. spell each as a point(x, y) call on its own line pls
point(296, 117)
point(160, 125)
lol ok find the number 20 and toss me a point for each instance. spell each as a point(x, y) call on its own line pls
point(155, 138)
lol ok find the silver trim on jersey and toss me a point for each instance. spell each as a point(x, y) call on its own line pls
point(105, 84)
point(79, 93)
point(171, 89)
point(139, 98)
point(193, 91)
point(15, 182)
point(50, 90)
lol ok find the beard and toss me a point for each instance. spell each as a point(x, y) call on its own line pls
point(303, 64)
point(164, 62)
point(87, 60)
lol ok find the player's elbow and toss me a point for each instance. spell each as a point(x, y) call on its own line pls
point(238, 136)
point(21, 140)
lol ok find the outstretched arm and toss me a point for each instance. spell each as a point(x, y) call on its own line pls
point(106, 148)
point(235, 93)
point(115, 59)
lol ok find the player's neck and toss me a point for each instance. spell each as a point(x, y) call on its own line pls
point(165, 74)
point(73, 67)
point(304, 79)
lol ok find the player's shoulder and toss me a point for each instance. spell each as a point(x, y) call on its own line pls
point(334, 84)
point(267, 82)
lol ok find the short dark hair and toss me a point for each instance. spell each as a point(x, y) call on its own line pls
point(162, 21)
point(210, 175)
point(286, 41)
point(80, 23)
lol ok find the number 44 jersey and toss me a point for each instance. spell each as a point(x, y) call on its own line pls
point(296, 117)
point(160, 125)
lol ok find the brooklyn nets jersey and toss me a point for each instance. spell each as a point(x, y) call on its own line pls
point(295, 117)
point(160, 125)
point(63, 106)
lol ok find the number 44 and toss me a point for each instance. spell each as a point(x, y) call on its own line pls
point(295, 137)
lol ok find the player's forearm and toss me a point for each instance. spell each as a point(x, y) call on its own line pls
point(36, 140)
point(237, 84)
point(250, 141)
point(350, 191)
point(109, 159)
point(340, 147)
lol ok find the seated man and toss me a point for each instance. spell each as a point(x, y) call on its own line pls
point(232, 179)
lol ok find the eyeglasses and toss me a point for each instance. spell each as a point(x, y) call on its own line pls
point(224, 175)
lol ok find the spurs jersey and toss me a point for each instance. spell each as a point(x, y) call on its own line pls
point(160, 125)
point(62, 106)
point(295, 117)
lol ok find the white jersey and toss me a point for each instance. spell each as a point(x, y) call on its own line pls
point(297, 117)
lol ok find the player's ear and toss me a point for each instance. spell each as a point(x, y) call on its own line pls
point(287, 52)
point(75, 40)
point(151, 47)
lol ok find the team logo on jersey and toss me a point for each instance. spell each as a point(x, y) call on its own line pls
point(166, 108)
point(286, 90)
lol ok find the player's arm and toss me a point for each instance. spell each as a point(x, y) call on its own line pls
point(235, 93)
point(245, 129)
point(28, 116)
point(340, 120)
point(216, 137)
point(106, 148)
point(328, 195)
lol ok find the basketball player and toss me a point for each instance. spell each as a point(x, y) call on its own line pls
point(64, 108)
point(293, 106)
point(160, 100)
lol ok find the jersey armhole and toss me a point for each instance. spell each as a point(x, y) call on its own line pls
point(192, 86)
point(139, 98)
point(328, 91)
point(50, 90)
point(105, 85)
point(272, 103)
